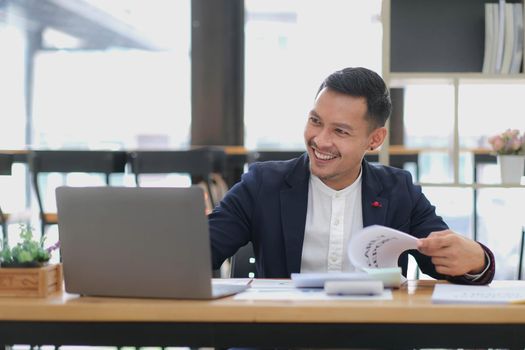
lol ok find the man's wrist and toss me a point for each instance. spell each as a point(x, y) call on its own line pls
point(475, 276)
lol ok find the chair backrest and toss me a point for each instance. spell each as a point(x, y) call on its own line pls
point(243, 263)
point(84, 161)
point(263, 156)
point(6, 162)
point(72, 161)
point(194, 162)
point(199, 163)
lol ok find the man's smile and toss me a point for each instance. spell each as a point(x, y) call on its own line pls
point(324, 156)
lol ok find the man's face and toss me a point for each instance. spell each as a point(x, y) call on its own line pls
point(337, 137)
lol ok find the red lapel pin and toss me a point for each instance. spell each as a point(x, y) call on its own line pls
point(376, 204)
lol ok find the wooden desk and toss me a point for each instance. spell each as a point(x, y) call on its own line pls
point(410, 320)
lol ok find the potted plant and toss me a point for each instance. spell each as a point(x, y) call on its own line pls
point(510, 149)
point(27, 253)
point(25, 270)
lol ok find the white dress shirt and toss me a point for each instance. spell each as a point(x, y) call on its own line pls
point(332, 217)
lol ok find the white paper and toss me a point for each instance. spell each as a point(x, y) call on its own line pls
point(378, 247)
point(230, 281)
point(279, 294)
point(264, 283)
point(458, 294)
point(391, 277)
point(317, 280)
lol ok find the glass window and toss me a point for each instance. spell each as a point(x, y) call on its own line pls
point(115, 99)
point(291, 46)
point(118, 97)
point(500, 225)
point(12, 108)
point(429, 124)
point(486, 110)
point(429, 116)
point(12, 117)
point(454, 205)
point(489, 109)
point(118, 80)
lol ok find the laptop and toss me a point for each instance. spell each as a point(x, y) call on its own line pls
point(137, 242)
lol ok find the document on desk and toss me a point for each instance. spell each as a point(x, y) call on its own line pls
point(278, 290)
point(460, 294)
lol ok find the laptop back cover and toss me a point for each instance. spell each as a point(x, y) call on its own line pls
point(135, 242)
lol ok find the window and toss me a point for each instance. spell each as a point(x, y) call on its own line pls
point(291, 46)
point(118, 80)
point(115, 99)
point(119, 97)
point(484, 109)
point(12, 108)
point(12, 115)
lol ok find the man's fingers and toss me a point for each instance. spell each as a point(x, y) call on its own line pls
point(439, 233)
point(452, 254)
point(440, 261)
point(448, 263)
point(433, 244)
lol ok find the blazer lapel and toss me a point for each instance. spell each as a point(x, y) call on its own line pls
point(374, 206)
point(294, 203)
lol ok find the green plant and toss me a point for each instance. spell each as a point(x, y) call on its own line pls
point(27, 252)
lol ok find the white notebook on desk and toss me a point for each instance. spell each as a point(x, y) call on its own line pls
point(460, 294)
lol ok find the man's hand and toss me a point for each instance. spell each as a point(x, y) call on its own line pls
point(453, 254)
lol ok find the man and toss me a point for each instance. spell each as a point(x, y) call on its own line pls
point(299, 214)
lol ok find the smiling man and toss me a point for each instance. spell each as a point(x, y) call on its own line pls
point(299, 214)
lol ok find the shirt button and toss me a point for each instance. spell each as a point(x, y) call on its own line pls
point(336, 222)
point(337, 195)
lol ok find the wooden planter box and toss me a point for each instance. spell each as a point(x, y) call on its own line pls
point(31, 281)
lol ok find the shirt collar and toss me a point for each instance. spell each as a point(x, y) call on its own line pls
point(317, 183)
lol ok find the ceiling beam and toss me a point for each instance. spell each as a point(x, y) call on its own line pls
point(96, 28)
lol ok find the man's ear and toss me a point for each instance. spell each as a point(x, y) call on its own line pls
point(377, 137)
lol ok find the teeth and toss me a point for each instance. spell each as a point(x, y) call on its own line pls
point(322, 155)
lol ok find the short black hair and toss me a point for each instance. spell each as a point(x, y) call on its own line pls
point(362, 82)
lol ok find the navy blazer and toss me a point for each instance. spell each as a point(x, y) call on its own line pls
point(268, 208)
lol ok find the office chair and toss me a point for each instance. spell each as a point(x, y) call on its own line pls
point(200, 164)
point(243, 263)
point(71, 161)
point(6, 162)
point(263, 156)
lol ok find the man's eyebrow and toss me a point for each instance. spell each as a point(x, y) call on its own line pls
point(314, 113)
point(343, 126)
point(337, 125)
